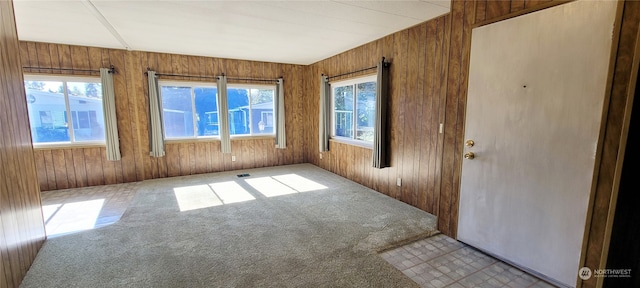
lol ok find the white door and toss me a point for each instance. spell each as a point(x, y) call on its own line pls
point(535, 101)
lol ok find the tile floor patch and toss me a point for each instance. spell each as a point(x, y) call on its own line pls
point(77, 209)
point(441, 261)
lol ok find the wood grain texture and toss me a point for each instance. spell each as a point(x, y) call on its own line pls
point(443, 99)
point(429, 74)
point(21, 225)
point(418, 70)
point(608, 176)
point(428, 92)
point(61, 168)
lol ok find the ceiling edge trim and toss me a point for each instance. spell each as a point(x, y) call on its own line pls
point(105, 23)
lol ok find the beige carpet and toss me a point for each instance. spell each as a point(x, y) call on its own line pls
point(287, 226)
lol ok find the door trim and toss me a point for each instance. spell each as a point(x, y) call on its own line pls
point(620, 159)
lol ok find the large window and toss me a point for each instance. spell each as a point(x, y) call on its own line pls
point(354, 108)
point(251, 109)
point(189, 109)
point(64, 109)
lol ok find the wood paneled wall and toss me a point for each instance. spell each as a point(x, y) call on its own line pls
point(418, 71)
point(429, 86)
point(60, 168)
point(429, 73)
point(21, 224)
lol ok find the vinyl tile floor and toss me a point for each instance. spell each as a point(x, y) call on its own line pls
point(437, 261)
point(441, 261)
point(72, 210)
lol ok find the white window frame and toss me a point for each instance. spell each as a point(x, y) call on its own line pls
point(65, 78)
point(193, 85)
point(254, 86)
point(352, 81)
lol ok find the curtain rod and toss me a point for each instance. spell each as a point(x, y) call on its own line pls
point(253, 79)
point(213, 77)
point(181, 75)
point(352, 72)
point(112, 69)
point(357, 71)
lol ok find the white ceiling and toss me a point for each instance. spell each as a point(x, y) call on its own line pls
point(296, 32)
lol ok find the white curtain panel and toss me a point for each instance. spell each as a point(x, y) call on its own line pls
point(110, 119)
point(156, 131)
point(380, 136)
point(223, 115)
point(325, 109)
point(281, 137)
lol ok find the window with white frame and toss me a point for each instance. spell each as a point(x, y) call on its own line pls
point(353, 106)
point(251, 109)
point(64, 109)
point(190, 110)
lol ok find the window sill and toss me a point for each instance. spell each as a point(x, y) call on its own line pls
point(67, 146)
point(250, 137)
point(190, 140)
point(352, 143)
point(233, 138)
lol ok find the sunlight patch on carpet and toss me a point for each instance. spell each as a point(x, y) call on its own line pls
point(269, 187)
point(231, 192)
point(283, 185)
point(196, 197)
point(300, 183)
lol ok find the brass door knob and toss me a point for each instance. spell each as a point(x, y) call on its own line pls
point(469, 143)
point(469, 155)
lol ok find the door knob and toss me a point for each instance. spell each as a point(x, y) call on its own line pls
point(469, 155)
point(469, 143)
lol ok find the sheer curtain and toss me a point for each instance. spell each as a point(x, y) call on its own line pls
point(110, 119)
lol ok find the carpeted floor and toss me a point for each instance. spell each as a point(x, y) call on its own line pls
point(312, 229)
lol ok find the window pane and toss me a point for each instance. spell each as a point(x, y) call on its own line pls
point(177, 108)
point(262, 111)
point(83, 119)
point(74, 119)
point(343, 111)
point(366, 111)
point(47, 111)
point(238, 99)
point(85, 99)
point(206, 111)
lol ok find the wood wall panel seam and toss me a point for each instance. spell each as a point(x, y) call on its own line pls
point(21, 224)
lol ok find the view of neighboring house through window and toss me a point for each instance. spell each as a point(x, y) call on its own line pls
point(251, 109)
point(65, 109)
point(353, 104)
point(189, 109)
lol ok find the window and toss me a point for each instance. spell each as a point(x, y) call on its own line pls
point(251, 109)
point(189, 110)
point(64, 109)
point(354, 108)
